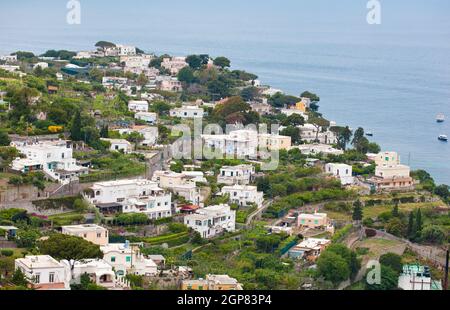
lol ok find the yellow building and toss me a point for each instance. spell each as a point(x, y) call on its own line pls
point(301, 106)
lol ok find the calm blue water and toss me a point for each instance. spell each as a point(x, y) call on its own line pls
point(392, 79)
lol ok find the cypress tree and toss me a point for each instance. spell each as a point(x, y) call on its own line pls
point(357, 211)
point(410, 232)
point(418, 226)
point(395, 212)
point(75, 129)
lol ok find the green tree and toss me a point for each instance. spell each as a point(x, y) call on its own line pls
point(419, 224)
point(319, 123)
point(19, 278)
point(194, 61)
point(389, 280)
point(395, 212)
point(333, 267)
point(433, 234)
point(70, 248)
point(4, 138)
point(75, 128)
point(186, 75)
point(343, 135)
point(293, 132)
point(294, 120)
point(222, 62)
point(357, 211)
point(249, 93)
point(393, 261)
point(396, 227)
point(410, 230)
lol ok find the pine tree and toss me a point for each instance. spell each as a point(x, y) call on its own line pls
point(75, 129)
point(357, 211)
point(410, 232)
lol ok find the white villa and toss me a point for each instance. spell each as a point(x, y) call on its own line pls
point(316, 149)
point(150, 134)
point(44, 271)
point(341, 171)
point(133, 195)
point(243, 195)
point(149, 117)
point(54, 158)
point(98, 270)
point(119, 145)
point(241, 143)
point(126, 258)
point(187, 111)
point(138, 105)
point(212, 220)
point(240, 174)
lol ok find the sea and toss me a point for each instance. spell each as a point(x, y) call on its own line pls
point(392, 78)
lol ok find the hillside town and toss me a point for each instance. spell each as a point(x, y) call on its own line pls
point(100, 188)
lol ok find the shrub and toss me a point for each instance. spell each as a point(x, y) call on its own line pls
point(392, 261)
point(131, 219)
point(7, 252)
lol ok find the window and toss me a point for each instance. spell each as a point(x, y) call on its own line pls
point(99, 235)
point(51, 277)
point(113, 259)
point(128, 259)
point(37, 278)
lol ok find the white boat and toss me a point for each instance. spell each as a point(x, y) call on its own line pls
point(440, 118)
point(443, 138)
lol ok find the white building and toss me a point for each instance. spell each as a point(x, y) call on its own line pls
point(98, 270)
point(308, 133)
point(54, 158)
point(316, 149)
point(90, 232)
point(126, 258)
point(9, 58)
point(240, 174)
point(119, 145)
point(42, 65)
point(150, 134)
point(126, 50)
point(187, 111)
point(45, 272)
point(243, 195)
point(138, 105)
point(341, 171)
point(390, 174)
point(114, 82)
point(181, 184)
point(134, 195)
point(149, 117)
point(242, 143)
point(212, 220)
